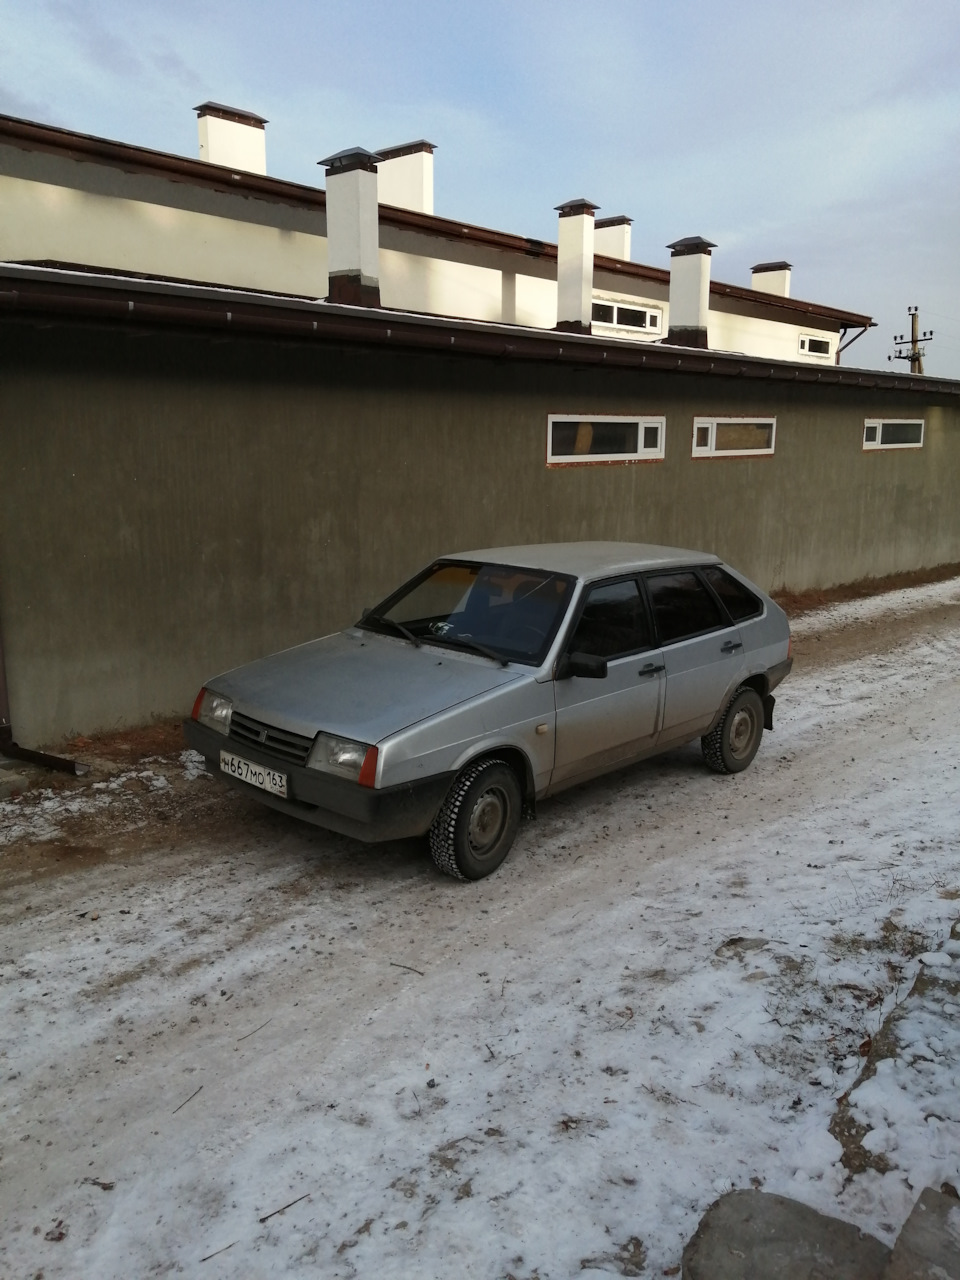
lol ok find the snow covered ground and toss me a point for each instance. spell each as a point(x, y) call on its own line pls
point(210, 1013)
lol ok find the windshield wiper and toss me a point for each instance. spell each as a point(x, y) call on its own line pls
point(472, 645)
point(392, 622)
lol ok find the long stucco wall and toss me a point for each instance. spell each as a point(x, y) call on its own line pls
point(175, 505)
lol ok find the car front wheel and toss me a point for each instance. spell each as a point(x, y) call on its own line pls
point(477, 824)
point(732, 745)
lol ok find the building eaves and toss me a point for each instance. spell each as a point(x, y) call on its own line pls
point(81, 146)
point(36, 293)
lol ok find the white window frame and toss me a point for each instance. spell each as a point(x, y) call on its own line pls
point(652, 313)
point(711, 451)
point(880, 423)
point(589, 459)
point(804, 346)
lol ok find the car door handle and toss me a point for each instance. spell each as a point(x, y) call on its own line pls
point(650, 669)
point(731, 646)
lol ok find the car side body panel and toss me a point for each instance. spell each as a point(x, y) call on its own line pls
point(602, 723)
point(509, 716)
point(699, 673)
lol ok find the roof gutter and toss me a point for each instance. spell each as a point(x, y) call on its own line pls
point(135, 303)
point(842, 346)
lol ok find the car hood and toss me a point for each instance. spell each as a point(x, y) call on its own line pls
point(359, 685)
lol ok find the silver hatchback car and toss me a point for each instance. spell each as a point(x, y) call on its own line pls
point(493, 679)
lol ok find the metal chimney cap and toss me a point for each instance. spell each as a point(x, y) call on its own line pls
point(773, 266)
point(352, 158)
point(407, 149)
point(619, 220)
point(573, 207)
point(236, 114)
point(690, 244)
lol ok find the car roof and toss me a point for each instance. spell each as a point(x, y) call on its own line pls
point(588, 559)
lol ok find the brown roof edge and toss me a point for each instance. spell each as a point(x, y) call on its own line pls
point(27, 296)
point(846, 319)
point(160, 164)
point(123, 155)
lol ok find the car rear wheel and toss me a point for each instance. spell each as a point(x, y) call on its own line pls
point(731, 746)
point(477, 824)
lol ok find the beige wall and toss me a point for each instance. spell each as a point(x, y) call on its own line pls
point(769, 339)
point(67, 211)
point(177, 504)
point(45, 222)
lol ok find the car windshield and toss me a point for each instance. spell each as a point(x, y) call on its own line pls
point(498, 610)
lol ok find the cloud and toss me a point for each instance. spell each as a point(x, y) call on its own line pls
point(823, 133)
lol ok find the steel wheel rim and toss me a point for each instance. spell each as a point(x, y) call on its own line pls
point(487, 821)
point(743, 728)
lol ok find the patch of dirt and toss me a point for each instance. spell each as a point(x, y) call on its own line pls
point(848, 1131)
point(129, 746)
point(852, 640)
point(131, 804)
point(627, 1259)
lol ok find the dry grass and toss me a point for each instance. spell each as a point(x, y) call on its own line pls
point(795, 603)
point(161, 737)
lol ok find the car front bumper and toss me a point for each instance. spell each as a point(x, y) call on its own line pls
point(366, 813)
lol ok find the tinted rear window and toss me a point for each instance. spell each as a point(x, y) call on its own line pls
point(682, 605)
point(738, 601)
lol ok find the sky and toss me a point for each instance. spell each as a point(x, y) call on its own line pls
point(827, 134)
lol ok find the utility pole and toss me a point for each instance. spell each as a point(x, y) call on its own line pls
point(915, 353)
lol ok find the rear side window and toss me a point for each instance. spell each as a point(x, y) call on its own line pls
point(682, 605)
point(737, 600)
point(613, 622)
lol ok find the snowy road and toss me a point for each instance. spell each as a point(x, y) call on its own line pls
point(209, 1013)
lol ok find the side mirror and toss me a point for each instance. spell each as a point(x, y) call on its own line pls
point(586, 665)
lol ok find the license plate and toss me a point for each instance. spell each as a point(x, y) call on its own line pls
point(257, 775)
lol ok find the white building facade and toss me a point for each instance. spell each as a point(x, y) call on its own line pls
point(91, 203)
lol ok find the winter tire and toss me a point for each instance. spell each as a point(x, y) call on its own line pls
point(732, 745)
point(477, 824)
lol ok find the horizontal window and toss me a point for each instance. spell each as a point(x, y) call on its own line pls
point(893, 433)
point(624, 317)
point(603, 439)
point(733, 437)
point(810, 345)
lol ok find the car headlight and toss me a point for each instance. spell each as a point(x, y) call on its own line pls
point(347, 759)
point(213, 710)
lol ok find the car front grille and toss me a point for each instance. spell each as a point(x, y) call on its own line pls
point(291, 747)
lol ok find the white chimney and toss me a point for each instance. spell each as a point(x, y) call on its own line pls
point(771, 277)
point(233, 138)
point(612, 237)
point(405, 176)
point(353, 228)
point(575, 233)
point(508, 297)
point(689, 291)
